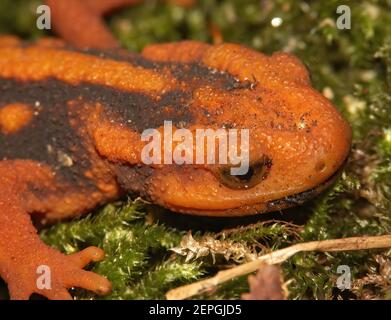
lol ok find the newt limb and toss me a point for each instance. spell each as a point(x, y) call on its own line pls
point(22, 252)
point(80, 22)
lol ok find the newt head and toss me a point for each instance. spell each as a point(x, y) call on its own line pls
point(297, 142)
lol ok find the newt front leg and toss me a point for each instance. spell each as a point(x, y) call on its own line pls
point(80, 22)
point(21, 250)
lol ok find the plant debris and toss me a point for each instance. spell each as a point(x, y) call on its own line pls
point(279, 256)
point(267, 284)
point(208, 245)
point(377, 283)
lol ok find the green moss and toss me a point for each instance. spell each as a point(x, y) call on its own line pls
point(352, 66)
point(19, 17)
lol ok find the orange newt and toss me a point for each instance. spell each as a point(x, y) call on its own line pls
point(71, 119)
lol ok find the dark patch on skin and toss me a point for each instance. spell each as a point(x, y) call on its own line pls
point(48, 138)
point(49, 134)
point(293, 200)
point(132, 179)
point(60, 190)
point(138, 111)
point(194, 72)
point(191, 73)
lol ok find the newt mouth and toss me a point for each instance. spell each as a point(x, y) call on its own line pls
point(271, 206)
point(302, 197)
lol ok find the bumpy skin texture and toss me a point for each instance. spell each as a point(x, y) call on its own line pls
point(70, 139)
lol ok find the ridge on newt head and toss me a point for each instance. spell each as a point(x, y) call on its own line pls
point(71, 126)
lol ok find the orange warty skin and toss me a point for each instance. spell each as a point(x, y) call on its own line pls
point(70, 135)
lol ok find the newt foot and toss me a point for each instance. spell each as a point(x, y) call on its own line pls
point(51, 274)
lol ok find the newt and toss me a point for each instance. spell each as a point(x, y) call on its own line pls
point(72, 114)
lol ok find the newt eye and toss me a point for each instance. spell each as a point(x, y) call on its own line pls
point(256, 173)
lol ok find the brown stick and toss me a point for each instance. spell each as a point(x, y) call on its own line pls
point(279, 256)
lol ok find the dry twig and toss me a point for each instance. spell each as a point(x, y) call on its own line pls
point(279, 256)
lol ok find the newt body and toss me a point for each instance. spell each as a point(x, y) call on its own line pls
point(71, 122)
